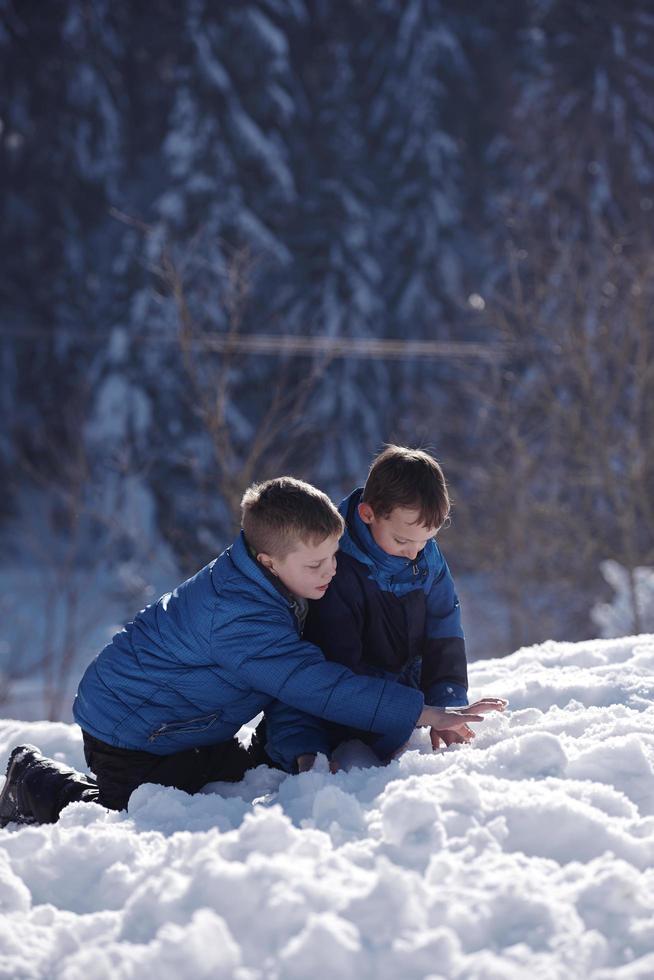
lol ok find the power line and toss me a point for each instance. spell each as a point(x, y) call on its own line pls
point(362, 347)
point(279, 345)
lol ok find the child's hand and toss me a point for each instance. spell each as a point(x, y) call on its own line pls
point(466, 734)
point(485, 705)
point(448, 720)
point(449, 738)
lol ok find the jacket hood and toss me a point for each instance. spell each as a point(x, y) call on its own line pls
point(360, 544)
point(241, 551)
point(246, 562)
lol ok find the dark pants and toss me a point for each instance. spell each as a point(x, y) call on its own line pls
point(119, 771)
point(50, 786)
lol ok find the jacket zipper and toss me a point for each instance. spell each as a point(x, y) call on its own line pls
point(182, 727)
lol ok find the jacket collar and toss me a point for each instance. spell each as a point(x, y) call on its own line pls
point(246, 562)
point(360, 544)
point(245, 559)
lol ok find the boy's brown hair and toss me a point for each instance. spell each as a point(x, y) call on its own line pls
point(403, 477)
point(279, 513)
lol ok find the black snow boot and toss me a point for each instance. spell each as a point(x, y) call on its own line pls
point(37, 789)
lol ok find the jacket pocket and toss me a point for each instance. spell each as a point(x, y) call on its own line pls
point(194, 725)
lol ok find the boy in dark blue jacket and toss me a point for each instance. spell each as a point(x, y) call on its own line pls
point(163, 701)
point(391, 610)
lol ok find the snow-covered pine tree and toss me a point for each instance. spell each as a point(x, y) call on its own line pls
point(61, 155)
point(631, 609)
point(378, 209)
point(74, 419)
point(216, 247)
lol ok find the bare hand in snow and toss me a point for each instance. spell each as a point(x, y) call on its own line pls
point(466, 734)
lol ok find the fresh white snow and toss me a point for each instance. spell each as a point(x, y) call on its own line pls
point(527, 854)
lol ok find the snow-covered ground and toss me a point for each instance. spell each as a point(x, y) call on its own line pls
point(527, 854)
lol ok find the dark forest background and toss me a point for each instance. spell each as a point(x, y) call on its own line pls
point(218, 221)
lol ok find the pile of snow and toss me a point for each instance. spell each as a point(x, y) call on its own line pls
point(529, 853)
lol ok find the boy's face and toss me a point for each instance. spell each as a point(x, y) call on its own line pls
point(398, 534)
point(308, 569)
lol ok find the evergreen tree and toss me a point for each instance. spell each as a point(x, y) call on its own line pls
point(382, 258)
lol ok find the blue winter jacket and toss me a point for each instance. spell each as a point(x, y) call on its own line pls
point(383, 616)
point(209, 656)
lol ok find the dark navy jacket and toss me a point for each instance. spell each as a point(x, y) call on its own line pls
point(383, 616)
point(206, 658)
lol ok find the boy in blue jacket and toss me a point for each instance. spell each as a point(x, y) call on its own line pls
point(391, 610)
point(163, 701)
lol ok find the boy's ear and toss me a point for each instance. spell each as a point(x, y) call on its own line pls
point(266, 561)
point(366, 513)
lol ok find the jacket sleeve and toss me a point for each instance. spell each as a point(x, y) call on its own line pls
point(264, 652)
point(335, 624)
point(291, 733)
point(444, 678)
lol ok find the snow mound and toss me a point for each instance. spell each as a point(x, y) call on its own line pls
point(529, 853)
